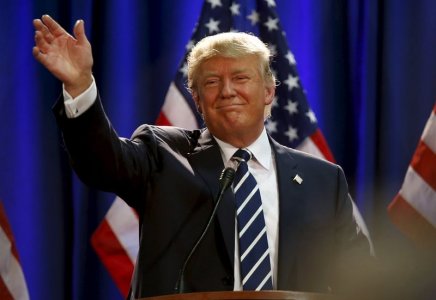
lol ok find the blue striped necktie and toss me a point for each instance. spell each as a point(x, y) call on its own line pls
point(253, 243)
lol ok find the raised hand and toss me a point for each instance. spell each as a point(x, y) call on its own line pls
point(68, 58)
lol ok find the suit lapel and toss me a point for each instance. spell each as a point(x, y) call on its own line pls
point(207, 162)
point(289, 213)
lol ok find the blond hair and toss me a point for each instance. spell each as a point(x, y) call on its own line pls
point(232, 45)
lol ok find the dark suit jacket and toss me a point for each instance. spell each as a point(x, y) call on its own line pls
point(170, 176)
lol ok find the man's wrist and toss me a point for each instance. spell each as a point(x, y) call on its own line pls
point(74, 107)
point(79, 86)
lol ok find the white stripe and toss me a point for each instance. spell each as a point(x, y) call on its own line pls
point(264, 281)
point(10, 269)
point(308, 146)
point(429, 133)
point(419, 195)
point(241, 182)
point(177, 110)
point(124, 223)
point(253, 243)
point(259, 210)
point(253, 269)
point(247, 200)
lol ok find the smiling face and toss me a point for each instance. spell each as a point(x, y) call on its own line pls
point(231, 94)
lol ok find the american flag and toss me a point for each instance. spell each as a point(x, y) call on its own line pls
point(293, 123)
point(413, 209)
point(12, 282)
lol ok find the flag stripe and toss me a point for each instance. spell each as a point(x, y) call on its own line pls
point(162, 120)
point(12, 279)
point(4, 224)
point(4, 291)
point(413, 210)
point(316, 146)
point(124, 223)
point(116, 243)
point(10, 270)
point(422, 162)
point(411, 222)
point(176, 109)
point(429, 134)
point(419, 195)
point(113, 256)
point(309, 146)
point(321, 144)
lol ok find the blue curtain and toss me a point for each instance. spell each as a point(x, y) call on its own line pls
point(369, 69)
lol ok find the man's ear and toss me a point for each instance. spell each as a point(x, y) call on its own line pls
point(270, 91)
point(196, 100)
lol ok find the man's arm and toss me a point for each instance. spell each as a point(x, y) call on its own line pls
point(98, 155)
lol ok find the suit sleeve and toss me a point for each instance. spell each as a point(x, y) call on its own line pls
point(100, 157)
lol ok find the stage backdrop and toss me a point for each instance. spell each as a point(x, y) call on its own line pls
point(368, 67)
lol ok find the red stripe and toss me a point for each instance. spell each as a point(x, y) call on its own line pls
point(411, 222)
point(162, 120)
point(4, 224)
point(113, 256)
point(424, 162)
point(4, 291)
point(321, 143)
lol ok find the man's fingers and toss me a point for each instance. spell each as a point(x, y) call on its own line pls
point(79, 32)
point(37, 23)
point(53, 27)
point(36, 52)
point(42, 44)
point(39, 56)
point(39, 26)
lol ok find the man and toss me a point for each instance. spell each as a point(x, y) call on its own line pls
point(307, 236)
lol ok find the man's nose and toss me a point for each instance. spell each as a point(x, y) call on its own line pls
point(228, 89)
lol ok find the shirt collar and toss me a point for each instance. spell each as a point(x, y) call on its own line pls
point(260, 148)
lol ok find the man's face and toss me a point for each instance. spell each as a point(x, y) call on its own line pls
point(231, 94)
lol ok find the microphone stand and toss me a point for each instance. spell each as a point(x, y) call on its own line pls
point(225, 181)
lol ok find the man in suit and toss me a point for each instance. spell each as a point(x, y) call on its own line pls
point(170, 175)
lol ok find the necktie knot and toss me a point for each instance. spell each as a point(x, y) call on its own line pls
point(242, 154)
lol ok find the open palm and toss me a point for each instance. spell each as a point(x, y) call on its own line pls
point(68, 58)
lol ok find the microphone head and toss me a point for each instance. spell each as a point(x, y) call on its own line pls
point(226, 178)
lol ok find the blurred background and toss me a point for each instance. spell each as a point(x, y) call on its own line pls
point(368, 69)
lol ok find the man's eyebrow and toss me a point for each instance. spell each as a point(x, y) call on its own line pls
point(236, 71)
point(242, 70)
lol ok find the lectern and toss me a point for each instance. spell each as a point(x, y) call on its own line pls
point(245, 295)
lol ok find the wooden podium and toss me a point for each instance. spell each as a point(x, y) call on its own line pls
point(245, 295)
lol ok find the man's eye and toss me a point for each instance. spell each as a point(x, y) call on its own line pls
point(241, 78)
point(211, 82)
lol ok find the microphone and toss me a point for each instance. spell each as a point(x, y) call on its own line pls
point(225, 180)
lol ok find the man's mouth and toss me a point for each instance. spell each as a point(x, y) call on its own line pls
point(229, 105)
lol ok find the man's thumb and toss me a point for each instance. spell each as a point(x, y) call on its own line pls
point(79, 32)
